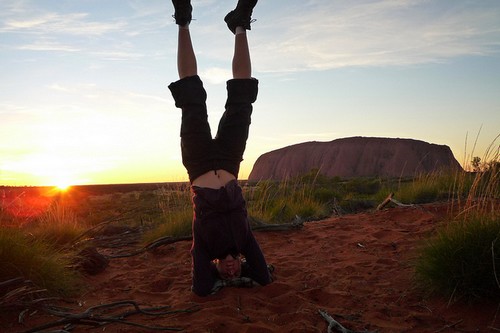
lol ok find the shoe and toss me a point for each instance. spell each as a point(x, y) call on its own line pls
point(241, 16)
point(183, 11)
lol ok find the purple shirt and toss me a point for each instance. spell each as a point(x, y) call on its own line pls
point(220, 227)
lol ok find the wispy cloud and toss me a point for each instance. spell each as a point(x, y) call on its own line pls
point(55, 23)
point(26, 27)
point(216, 75)
point(336, 34)
point(48, 45)
point(126, 99)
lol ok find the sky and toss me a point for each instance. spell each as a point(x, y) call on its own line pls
point(84, 97)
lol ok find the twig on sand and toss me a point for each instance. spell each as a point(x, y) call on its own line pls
point(120, 217)
point(94, 316)
point(258, 225)
point(394, 201)
point(19, 293)
point(156, 243)
point(449, 326)
point(332, 323)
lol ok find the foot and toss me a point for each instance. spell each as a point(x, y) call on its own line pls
point(183, 11)
point(241, 16)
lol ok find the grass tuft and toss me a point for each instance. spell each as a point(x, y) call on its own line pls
point(462, 261)
point(57, 226)
point(176, 214)
point(33, 259)
point(281, 202)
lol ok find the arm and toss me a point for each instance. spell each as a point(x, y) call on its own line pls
point(257, 268)
point(202, 271)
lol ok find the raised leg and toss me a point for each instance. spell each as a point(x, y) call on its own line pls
point(186, 59)
point(242, 66)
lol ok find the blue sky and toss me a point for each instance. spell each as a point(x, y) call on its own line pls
point(84, 98)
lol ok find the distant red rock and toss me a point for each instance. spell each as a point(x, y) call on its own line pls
point(355, 157)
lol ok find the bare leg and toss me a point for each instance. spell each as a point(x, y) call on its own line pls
point(242, 66)
point(186, 59)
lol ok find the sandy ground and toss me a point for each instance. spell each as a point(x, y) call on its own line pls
point(355, 267)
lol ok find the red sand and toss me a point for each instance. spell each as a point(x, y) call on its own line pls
point(356, 267)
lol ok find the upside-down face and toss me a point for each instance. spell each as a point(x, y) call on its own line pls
point(229, 267)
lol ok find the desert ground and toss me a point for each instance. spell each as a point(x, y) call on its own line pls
point(357, 268)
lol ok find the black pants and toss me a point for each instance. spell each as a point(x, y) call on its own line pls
point(200, 152)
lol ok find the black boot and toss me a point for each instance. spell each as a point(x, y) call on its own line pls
point(241, 16)
point(183, 11)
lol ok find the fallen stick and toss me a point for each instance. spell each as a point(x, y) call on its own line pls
point(11, 283)
point(92, 317)
point(394, 201)
point(119, 217)
point(385, 202)
point(258, 225)
point(332, 323)
point(449, 326)
point(157, 243)
point(21, 293)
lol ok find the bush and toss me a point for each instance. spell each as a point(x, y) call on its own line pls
point(280, 202)
point(176, 214)
point(32, 259)
point(364, 186)
point(58, 226)
point(430, 188)
point(462, 260)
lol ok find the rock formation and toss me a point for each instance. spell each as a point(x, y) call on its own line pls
point(355, 157)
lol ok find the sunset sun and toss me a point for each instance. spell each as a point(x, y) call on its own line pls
point(63, 186)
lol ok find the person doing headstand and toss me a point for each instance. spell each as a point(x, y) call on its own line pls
point(224, 248)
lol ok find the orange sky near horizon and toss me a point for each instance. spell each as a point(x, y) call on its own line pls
point(84, 97)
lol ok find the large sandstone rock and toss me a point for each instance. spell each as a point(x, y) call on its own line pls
point(355, 157)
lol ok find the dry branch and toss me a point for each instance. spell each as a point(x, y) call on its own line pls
point(390, 199)
point(95, 316)
point(102, 224)
point(449, 326)
point(19, 293)
point(120, 217)
point(157, 243)
point(332, 323)
point(258, 225)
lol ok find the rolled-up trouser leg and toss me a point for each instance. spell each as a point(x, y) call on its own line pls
point(232, 133)
point(196, 138)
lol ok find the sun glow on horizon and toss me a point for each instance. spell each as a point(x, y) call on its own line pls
point(62, 186)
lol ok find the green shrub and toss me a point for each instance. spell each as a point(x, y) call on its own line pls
point(356, 205)
point(364, 186)
point(462, 260)
point(281, 202)
point(58, 226)
point(428, 188)
point(176, 214)
point(326, 194)
point(33, 259)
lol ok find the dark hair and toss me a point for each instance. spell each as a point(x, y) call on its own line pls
point(232, 252)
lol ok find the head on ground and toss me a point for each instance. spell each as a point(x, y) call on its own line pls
point(229, 267)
